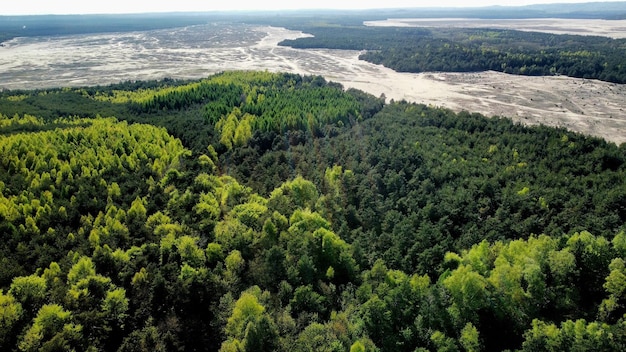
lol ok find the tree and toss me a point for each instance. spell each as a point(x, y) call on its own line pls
point(30, 291)
point(291, 195)
point(615, 285)
point(357, 347)
point(377, 319)
point(469, 338)
point(136, 217)
point(83, 269)
point(148, 339)
point(232, 234)
point(319, 337)
point(249, 328)
point(115, 306)
point(208, 211)
point(189, 251)
point(243, 132)
point(443, 343)
point(306, 300)
point(10, 313)
point(468, 292)
point(261, 335)
point(572, 336)
point(247, 309)
point(51, 327)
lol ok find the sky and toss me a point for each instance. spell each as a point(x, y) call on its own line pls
point(31, 7)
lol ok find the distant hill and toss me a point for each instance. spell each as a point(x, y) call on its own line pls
point(606, 10)
point(590, 10)
point(43, 25)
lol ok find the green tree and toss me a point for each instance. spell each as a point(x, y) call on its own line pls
point(83, 269)
point(249, 328)
point(148, 339)
point(261, 335)
point(52, 329)
point(190, 252)
point(615, 286)
point(115, 306)
point(30, 291)
point(443, 343)
point(10, 314)
point(468, 291)
point(319, 337)
point(247, 309)
point(378, 324)
point(469, 338)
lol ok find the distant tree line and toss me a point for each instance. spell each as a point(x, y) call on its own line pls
point(469, 50)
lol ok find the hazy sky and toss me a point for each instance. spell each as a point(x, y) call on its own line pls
point(131, 6)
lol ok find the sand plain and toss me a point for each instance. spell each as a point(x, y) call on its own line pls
point(586, 106)
point(605, 28)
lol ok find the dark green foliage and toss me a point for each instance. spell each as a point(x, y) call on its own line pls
point(413, 228)
point(53, 104)
point(426, 181)
point(468, 50)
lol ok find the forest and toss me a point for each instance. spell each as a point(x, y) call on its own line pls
point(257, 211)
point(54, 25)
point(471, 50)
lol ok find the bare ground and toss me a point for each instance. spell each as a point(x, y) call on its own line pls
point(605, 28)
point(587, 106)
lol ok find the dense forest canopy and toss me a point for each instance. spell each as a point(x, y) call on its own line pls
point(469, 50)
point(258, 211)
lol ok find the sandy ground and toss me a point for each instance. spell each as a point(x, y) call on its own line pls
point(586, 106)
point(606, 28)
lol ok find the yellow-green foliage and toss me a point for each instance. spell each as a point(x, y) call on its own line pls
point(140, 95)
point(235, 129)
point(241, 102)
point(6, 121)
point(51, 321)
point(10, 313)
point(246, 79)
point(516, 274)
point(246, 309)
point(49, 164)
point(16, 98)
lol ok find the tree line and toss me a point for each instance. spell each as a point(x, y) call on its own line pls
point(470, 50)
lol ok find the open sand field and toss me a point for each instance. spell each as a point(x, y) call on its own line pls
point(586, 106)
point(604, 28)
